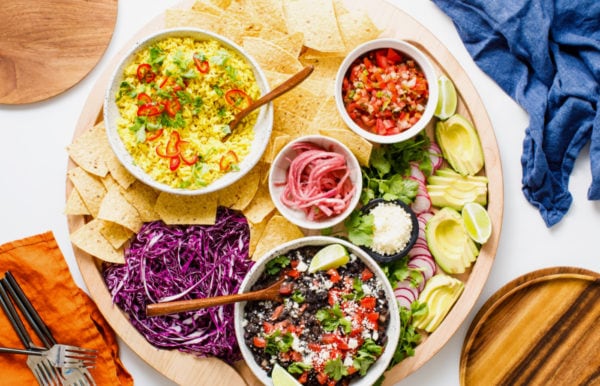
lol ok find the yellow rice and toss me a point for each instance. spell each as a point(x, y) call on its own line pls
point(201, 126)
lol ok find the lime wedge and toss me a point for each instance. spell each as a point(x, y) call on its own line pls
point(331, 256)
point(446, 106)
point(282, 378)
point(477, 222)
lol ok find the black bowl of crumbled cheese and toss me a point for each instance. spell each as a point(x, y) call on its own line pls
point(395, 229)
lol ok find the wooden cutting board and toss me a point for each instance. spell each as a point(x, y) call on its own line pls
point(542, 328)
point(46, 47)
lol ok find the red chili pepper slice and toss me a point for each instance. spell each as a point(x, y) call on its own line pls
point(151, 136)
point(237, 98)
point(174, 163)
point(186, 153)
point(150, 110)
point(172, 106)
point(173, 144)
point(201, 64)
point(228, 159)
point(145, 73)
point(144, 98)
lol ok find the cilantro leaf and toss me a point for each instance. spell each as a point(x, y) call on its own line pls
point(335, 369)
point(275, 266)
point(298, 368)
point(360, 228)
point(332, 317)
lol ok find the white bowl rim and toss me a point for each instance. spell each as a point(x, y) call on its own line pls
point(264, 121)
point(392, 333)
point(427, 68)
point(290, 214)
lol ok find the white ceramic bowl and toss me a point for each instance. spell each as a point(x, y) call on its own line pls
point(262, 128)
point(425, 65)
point(393, 329)
point(278, 172)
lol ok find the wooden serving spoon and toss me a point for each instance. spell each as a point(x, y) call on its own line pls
point(269, 293)
point(286, 86)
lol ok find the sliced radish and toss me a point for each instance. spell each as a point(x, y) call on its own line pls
point(435, 155)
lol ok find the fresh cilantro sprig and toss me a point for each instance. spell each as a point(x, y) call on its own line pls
point(332, 317)
point(275, 266)
point(277, 342)
point(335, 369)
point(298, 368)
point(366, 356)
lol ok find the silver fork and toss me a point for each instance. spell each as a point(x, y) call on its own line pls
point(42, 370)
point(68, 376)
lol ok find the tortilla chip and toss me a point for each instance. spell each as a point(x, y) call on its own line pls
point(89, 239)
point(275, 145)
point(177, 209)
point(261, 205)
point(89, 188)
point(328, 116)
point(208, 7)
point(356, 28)
point(291, 124)
point(89, 150)
point(109, 182)
point(256, 232)
point(316, 20)
point(120, 174)
point(270, 56)
point(117, 235)
point(277, 231)
point(326, 66)
point(239, 194)
point(271, 13)
point(357, 144)
point(75, 205)
point(290, 43)
point(143, 198)
point(117, 209)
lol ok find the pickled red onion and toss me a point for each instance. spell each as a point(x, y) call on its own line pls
point(317, 182)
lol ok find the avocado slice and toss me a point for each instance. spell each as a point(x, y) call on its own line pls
point(440, 294)
point(452, 248)
point(460, 144)
point(448, 188)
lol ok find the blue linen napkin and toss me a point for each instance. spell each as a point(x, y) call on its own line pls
point(545, 54)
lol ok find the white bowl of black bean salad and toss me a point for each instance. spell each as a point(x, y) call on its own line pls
point(338, 321)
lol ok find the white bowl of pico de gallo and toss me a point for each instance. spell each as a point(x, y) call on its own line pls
point(336, 323)
point(315, 181)
point(386, 90)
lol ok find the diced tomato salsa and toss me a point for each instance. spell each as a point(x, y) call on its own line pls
point(385, 92)
point(330, 327)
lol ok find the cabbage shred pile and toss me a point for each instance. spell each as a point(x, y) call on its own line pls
point(178, 262)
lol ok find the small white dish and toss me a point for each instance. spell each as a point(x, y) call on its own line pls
point(392, 331)
point(425, 65)
point(278, 176)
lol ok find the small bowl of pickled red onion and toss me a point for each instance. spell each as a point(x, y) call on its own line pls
point(315, 182)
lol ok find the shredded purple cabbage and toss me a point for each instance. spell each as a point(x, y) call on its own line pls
point(177, 262)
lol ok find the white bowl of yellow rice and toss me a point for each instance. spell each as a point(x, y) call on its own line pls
point(168, 106)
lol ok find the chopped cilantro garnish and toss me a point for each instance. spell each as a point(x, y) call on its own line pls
point(275, 266)
point(276, 342)
point(157, 56)
point(335, 369)
point(298, 368)
point(332, 317)
point(360, 228)
point(366, 356)
point(298, 297)
point(218, 90)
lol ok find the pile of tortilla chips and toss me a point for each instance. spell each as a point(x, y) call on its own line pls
point(283, 37)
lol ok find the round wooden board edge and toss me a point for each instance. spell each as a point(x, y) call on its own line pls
point(386, 14)
point(505, 292)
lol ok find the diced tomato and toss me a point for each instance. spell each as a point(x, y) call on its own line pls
point(259, 342)
point(314, 347)
point(268, 327)
point(381, 59)
point(352, 370)
point(294, 263)
point(334, 275)
point(303, 378)
point(296, 356)
point(393, 56)
point(373, 317)
point(366, 274)
point(332, 382)
point(329, 338)
point(293, 273)
point(286, 288)
point(368, 302)
point(322, 378)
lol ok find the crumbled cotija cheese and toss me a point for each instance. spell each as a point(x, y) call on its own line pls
point(392, 228)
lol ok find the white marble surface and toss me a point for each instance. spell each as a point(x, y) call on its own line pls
point(33, 165)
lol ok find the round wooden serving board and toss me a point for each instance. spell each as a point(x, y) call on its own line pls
point(49, 46)
point(540, 329)
point(187, 369)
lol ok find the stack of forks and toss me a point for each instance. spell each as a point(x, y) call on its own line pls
point(54, 364)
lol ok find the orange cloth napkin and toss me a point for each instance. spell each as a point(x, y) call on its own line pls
point(40, 269)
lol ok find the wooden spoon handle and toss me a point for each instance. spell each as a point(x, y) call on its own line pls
point(195, 304)
point(277, 91)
